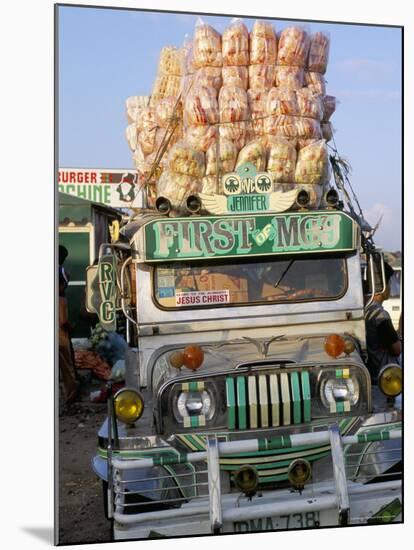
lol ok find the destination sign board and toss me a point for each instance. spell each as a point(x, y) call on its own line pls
point(174, 239)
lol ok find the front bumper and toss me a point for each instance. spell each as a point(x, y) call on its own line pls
point(193, 489)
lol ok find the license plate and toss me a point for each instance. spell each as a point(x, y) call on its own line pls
point(305, 520)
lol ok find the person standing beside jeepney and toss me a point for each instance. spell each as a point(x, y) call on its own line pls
point(66, 365)
point(383, 342)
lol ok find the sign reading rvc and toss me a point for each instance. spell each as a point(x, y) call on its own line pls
point(107, 289)
point(230, 236)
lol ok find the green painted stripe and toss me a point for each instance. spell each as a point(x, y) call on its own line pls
point(387, 513)
point(270, 479)
point(241, 402)
point(279, 442)
point(268, 465)
point(375, 436)
point(306, 396)
point(294, 384)
point(338, 373)
point(194, 442)
point(194, 421)
point(231, 404)
point(273, 452)
point(162, 460)
point(340, 407)
point(193, 386)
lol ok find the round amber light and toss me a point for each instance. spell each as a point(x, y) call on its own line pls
point(246, 479)
point(129, 405)
point(299, 472)
point(334, 345)
point(193, 357)
point(390, 380)
point(176, 359)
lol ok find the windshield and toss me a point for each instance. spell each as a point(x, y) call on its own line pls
point(200, 285)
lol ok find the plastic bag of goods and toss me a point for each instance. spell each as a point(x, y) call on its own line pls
point(183, 159)
point(201, 137)
point(308, 128)
point(177, 187)
point(315, 82)
point(146, 119)
point(235, 132)
point(293, 47)
point(131, 133)
point(201, 107)
point(281, 126)
point(304, 142)
point(209, 76)
point(210, 185)
point(227, 153)
point(282, 160)
point(329, 106)
point(187, 56)
point(165, 86)
point(145, 164)
point(206, 46)
point(257, 108)
point(327, 131)
point(187, 83)
point(255, 153)
point(134, 105)
point(236, 76)
point(168, 111)
point(318, 52)
point(235, 44)
point(263, 48)
point(312, 166)
point(171, 61)
point(310, 104)
point(261, 77)
point(282, 101)
point(153, 140)
point(291, 78)
point(233, 106)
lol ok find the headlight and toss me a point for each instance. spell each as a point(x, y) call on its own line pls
point(129, 405)
point(336, 391)
point(192, 404)
point(341, 390)
point(390, 380)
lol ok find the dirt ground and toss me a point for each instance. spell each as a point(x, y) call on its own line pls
point(81, 516)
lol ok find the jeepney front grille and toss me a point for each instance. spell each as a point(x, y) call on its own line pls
point(268, 400)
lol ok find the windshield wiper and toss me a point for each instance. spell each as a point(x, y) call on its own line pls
point(277, 283)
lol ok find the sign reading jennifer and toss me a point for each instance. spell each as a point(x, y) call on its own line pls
point(230, 236)
point(116, 188)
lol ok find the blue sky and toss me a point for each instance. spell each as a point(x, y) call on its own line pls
point(107, 55)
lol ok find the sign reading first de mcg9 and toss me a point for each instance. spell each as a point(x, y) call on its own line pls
point(107, 186)
point(236, 236)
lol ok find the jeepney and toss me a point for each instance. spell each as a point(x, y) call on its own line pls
point(247, 357)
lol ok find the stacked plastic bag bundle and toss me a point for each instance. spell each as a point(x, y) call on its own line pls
point(220, 159)
point(168, 80)
point(234, 113)
point(255, 153)
point(201, 115)
point(183, 174)
point(312, 165)
point(292, 54)
point(281, 160)
point(207, 60)
point(235, 53)
point(329, 107)
point(257, 108)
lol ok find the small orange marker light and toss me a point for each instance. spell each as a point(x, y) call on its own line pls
point(176, 359)
point(193, 357)
point(334, 345)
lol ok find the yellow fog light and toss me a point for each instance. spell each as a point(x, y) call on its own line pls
point(129, 405)
point(299, 473)
point(390, 380)
point(246, 480)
